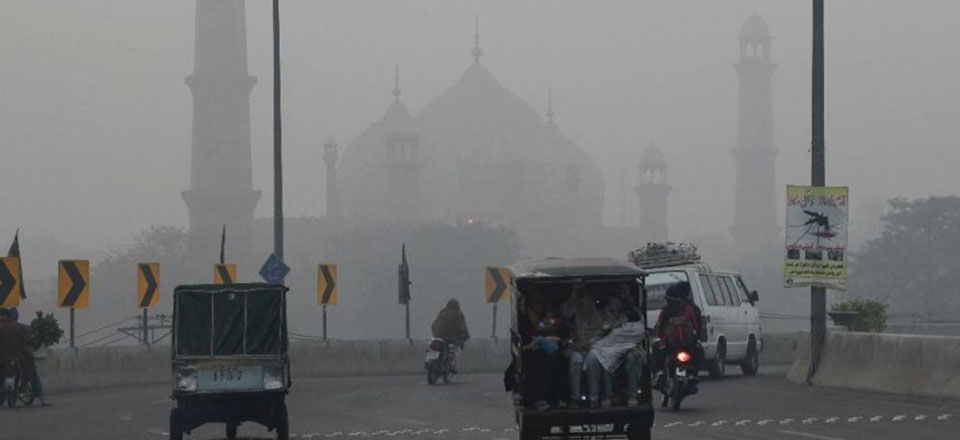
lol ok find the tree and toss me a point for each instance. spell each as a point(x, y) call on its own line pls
point(44, 331)
point(910, 267)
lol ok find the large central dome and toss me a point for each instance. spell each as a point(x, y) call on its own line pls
point(482, 155)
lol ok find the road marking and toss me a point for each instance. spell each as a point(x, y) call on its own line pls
point(695, 424)
point(854, 419)
point(944, 416)
point(764, 422)
point(671, 425)
point(809, 421)
point(786, 421)
point(742, 423)
point(876, 418)
point(809, 435)
point(719, 423)
point(832, 419)
point(898, 418)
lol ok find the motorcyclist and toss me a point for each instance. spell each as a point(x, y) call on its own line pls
point(29, 362)
point(13, 345)
point(451, 326)
point(678, 327)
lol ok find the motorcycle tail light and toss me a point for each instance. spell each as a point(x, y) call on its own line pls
point(436, 345)
point(683, 357)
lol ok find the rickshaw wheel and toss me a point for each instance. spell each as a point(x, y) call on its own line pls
point(282, 423)
point(176, 424)
point(638, 432)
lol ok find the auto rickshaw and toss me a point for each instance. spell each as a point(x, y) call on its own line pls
point(556, 288)
point(229, 357)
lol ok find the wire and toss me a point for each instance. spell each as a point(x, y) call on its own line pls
point(105, 327)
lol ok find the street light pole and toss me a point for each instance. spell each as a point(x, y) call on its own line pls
point(818, 295)
point(277, 150)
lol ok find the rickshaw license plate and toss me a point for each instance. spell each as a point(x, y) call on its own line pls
point(229, 377)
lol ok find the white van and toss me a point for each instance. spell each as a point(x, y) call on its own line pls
point(730, 315)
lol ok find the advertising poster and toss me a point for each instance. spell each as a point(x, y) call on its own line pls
point(816, 237)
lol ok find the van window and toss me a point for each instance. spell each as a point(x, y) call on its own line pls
point(718, 290)
point(742, 290)
point(734, 298)
point(657, 284)
point(708, 291)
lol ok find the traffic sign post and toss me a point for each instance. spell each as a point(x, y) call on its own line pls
point(10, 282)
point(73, 289)
point(148, 292)
point(326, 290)
point(496, 289)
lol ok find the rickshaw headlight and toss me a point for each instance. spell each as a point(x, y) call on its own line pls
point(186, 379)
point(272, 378)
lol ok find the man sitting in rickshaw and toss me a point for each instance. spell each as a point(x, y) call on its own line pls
point(594, 314)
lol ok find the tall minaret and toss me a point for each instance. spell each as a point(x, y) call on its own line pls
point(401, 164)
point(653, 193)
point(755, 230)
point(221, 178)
point(333, 196)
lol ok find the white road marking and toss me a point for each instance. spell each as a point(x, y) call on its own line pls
point(921, 417)
point(785, 421)
point(944, 416)
point(764, 422)
point(809, 435)
point(809, 421)
point(876, 418)
point(695, 424)
point(832, 419)
point(742, 422)
point(126, 417)
point(854, 419)
point(719, 423)
point(898, 418)
point(671, 425)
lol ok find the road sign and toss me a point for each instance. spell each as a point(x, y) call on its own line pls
point(327, 284)
point(148, 284)
point(273, 270)
point(73, 284)
point(225, 273)
point(497, 285)
point(10, 281)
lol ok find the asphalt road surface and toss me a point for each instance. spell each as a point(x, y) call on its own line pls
point(475, 407)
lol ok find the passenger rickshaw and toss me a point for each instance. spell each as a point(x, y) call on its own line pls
point(549, 287)
point(229, 357)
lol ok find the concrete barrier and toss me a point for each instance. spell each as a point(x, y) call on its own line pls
point(66, 370)
point(901, 364)
point(778, 348)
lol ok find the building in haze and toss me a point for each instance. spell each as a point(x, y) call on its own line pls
point(755, 225)
point(221, 178)
point(653, 193)
point(475, 153)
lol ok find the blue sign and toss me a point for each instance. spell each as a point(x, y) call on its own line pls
point(273, 270)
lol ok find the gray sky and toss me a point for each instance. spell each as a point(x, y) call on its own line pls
point(95, 116)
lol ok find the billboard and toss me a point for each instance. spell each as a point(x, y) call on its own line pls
point(816, 253)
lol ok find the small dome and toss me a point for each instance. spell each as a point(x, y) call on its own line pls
point(755, 29)
point(652, 157)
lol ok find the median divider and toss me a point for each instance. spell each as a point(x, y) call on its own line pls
point(900, 364)
point(65, 370)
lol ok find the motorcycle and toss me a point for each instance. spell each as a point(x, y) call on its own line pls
point(11, 382)
point(679, 379)
point(439, 362)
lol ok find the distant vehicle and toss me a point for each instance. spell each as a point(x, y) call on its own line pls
point(548, 283)
point(439, 362)
point(732, 333)
point(229, 355)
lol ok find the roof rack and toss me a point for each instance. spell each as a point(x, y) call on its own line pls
point(665, 254)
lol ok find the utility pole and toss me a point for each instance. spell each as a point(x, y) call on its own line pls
point(277, 150)
point(818, 295)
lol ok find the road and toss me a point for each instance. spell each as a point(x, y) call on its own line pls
point(476, 408)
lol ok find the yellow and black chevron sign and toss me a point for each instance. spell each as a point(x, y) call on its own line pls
point(327, 284)
point(497, 284)
point(73, 284)
point(225, 273)
point(10, 282)
point(148, 284)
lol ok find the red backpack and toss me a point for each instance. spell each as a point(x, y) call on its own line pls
point(679, 331)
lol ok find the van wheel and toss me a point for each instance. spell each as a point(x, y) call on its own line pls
point(718, 366)
point(751, 364)
point(176, 424)
point(637, 431)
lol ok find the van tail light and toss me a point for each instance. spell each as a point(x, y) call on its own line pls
point(683, 357)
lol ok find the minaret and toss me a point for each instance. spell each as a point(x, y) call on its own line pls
point(330, 156)
point(653, 193)
point(221, 177)
point(755, 227)
point(402, 163)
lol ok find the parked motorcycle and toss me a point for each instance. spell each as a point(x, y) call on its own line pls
point(679, 379)
point(439, 362)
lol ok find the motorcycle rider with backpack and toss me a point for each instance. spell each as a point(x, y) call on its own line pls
point(678, 327)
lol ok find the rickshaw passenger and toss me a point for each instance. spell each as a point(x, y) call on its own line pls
point(542, 356)
point(593, 316)
point(618, 348)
